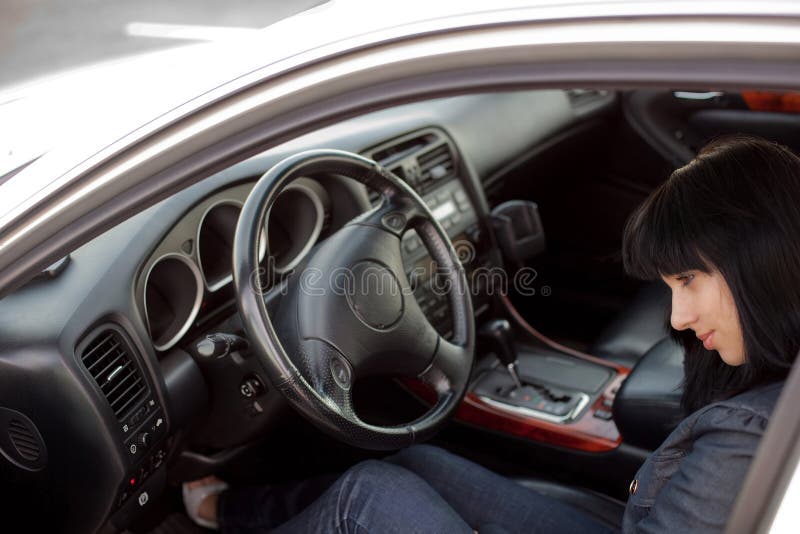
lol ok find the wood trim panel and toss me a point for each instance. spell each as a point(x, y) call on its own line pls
point(587, 433)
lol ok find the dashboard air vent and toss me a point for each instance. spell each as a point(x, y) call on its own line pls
point(435, 164)
point(108, 360)
point(399, 150)
point(24, 440)
point(20, 441)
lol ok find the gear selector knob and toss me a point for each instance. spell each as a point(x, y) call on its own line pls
point(497, 334)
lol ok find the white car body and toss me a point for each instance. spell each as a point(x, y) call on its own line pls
point(95, 146)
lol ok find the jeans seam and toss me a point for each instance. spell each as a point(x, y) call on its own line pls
point(344, 482)
point(345, 520)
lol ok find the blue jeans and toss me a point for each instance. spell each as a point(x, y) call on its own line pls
point(419, 489)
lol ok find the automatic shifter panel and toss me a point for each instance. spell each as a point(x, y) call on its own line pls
point(531, 397)
point(534, 400)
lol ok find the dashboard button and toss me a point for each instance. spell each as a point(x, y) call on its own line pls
point(156, 427)
point(341, 373)
point(605, 415)
point(394, 221)
point(252, 386)
point(143, 439)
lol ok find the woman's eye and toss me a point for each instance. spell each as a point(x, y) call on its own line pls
point(686, 279)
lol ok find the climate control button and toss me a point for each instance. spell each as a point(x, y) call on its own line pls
point(143, 439)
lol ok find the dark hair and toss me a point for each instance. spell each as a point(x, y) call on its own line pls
point(735, 209)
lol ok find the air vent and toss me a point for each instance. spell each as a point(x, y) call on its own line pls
point(108, 360)
point(20, 441)
point(399, 172)
point(24, 440)
point(401, 149)
point(421, 159)
point(436, 164)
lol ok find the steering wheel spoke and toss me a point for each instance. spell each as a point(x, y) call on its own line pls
point(395, 214)
point(449, 369)
point(330, 375)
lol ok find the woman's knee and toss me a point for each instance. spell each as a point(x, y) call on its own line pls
point(369, 472)
point(377, 496)
point(374, 478)
point(372, 488)
point(420, 458)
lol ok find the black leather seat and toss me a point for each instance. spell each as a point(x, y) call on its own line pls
point(604, 509)
point(638, 328)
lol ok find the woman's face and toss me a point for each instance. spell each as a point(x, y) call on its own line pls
point(703, 303)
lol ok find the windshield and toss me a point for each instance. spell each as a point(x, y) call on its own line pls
point(45, 37)
point(50, 49)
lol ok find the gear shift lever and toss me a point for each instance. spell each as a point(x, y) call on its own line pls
point(498, 335)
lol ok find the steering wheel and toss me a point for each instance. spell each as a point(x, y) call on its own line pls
point(350, 311)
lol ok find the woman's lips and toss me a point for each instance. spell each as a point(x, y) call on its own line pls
point(708, 340)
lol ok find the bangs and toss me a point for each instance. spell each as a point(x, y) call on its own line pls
point(659, 238)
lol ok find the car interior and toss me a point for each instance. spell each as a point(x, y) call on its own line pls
point(126, 368)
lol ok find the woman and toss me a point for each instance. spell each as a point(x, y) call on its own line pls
point(722, 233)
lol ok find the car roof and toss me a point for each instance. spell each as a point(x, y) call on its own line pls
point(94, 105)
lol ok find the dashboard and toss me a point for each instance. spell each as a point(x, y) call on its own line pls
point(187, 279)
point(116, 391)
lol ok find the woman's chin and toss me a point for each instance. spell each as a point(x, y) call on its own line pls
point(733, 360)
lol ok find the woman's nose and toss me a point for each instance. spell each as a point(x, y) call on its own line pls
point(682, 316)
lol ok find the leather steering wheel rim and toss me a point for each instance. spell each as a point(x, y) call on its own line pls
point(315, 368)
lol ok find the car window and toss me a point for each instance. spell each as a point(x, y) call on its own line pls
point(45, 37)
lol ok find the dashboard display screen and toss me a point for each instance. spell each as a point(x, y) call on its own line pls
point(444, 211)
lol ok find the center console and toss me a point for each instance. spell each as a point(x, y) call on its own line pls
point(533, 391)
point(539, 383)
point(563, 401)
point(428, 161)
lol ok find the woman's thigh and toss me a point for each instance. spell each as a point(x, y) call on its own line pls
point(377, 497)
point(482, 497)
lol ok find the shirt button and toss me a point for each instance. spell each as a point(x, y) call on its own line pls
point(633, 487)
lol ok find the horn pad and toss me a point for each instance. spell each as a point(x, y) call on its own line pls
point(375, 295)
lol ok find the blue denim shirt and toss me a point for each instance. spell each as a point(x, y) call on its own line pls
point(689, 484)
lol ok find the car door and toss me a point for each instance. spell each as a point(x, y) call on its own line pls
point(677, 123)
